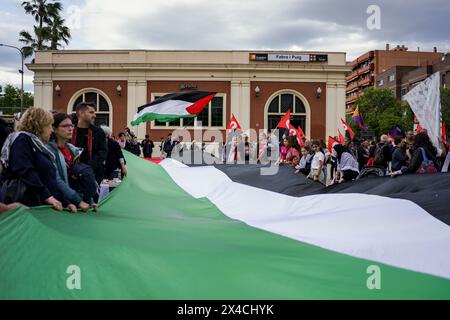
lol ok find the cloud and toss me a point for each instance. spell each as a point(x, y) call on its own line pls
point(323, 25)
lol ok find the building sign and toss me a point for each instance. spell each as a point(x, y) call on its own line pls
point(286, 57)
point(188, 86)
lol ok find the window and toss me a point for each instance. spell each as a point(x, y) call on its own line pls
point(213, 115)
point(102, 108)
point(280, 105)
point(380, 82)
point(391, 77)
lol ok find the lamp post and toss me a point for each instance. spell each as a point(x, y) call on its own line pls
point(21, 72)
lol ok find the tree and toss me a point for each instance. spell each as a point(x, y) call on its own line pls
point(381, 111)
point(58, 32)
point(10, 100)
point(50, 27)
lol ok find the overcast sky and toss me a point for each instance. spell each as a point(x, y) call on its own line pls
point(234, 24)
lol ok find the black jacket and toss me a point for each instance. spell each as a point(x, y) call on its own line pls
point(114, 155)
point(35, 169)
point(99, 150)
point(417, 160)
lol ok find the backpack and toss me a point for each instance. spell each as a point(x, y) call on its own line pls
point(427, 165)
point(83, 180)
point(378, 158)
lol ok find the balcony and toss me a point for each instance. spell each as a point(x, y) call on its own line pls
point(352, 87)
point(366, 82)
point(351, 99)
point(351, 76)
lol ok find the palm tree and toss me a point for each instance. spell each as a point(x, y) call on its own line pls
point(58, 32)
point(31, 44)
point(42, 11)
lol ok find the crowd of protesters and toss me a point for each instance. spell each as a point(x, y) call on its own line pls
point(51, 159)
point(389, 156)
point(55, 159)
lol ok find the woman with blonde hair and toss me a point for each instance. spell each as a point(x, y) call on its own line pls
point(30, 173)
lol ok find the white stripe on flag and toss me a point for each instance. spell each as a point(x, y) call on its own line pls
point(175, 107)
point(392, 231)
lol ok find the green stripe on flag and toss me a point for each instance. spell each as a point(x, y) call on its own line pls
point(152, 240)
point(160, 117)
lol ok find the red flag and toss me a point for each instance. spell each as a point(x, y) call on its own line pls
point(444, 134)
point(300, 136)
point(292, 130)
point(331, 142)
point(233, 124)
point(285, 121)
point(341, 137)
point(300, 132)
point(347, 127)
point(419, 128)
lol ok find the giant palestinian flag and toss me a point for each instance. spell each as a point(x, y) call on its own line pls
point(173, 106)
point(170, 231)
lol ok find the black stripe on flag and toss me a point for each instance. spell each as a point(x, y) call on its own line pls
point(189, 96)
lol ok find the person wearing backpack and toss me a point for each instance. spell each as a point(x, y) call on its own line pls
point(424, 157)
point(65, 153)
point(383, 153)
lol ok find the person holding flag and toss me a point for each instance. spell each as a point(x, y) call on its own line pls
point(348, 129)
point(357, 117)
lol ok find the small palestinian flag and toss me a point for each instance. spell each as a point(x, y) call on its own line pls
point(174, 106)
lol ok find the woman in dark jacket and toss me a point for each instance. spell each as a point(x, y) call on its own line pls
point(29, 163)
point(422, 145)
point(65, 154)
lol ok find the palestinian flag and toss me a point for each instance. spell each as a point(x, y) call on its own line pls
point(174, 106)
point(175, 232)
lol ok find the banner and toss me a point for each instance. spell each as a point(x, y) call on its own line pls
point(425, 102)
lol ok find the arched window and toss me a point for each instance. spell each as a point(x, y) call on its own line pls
point(102, 112)
point(280, 104)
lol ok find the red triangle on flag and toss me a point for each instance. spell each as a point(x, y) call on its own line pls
point(233, 124)
point(285, 121)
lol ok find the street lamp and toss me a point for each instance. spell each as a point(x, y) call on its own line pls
point(20, 71)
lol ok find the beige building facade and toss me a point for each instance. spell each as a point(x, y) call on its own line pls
point(258, 87)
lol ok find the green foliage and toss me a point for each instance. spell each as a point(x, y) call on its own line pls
point(50, 29)
point(10, 100)
point(381, 111)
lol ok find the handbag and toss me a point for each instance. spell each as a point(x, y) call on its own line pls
point(427, 166)
point(13, 190)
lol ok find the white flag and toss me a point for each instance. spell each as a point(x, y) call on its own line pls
point(425, 101)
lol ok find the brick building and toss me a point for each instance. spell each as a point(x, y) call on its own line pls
point(368, 66)
point(257, 87)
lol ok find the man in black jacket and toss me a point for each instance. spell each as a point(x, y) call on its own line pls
point(91, 138)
